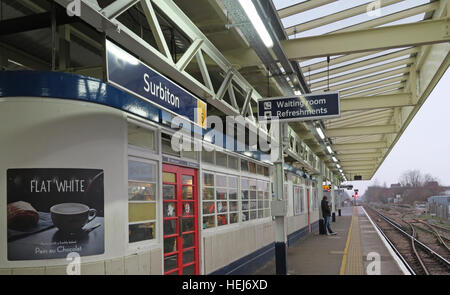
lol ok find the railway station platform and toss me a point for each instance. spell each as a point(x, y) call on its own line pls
point(355, 250)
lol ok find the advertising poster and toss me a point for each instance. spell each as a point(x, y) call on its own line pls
point(53, 212)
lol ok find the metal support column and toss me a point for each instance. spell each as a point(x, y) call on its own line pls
point(64, 47)
point(333, 201)
point(54, 36)
point(279, 207)
point(340, 193)
point(322, 229)
point(3, 58)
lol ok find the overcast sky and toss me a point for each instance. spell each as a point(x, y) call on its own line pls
point(425, 144)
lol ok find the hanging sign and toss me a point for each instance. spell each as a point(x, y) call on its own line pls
point(300, 108)
point(130, 74)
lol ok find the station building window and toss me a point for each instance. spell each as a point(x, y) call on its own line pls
point(221, 159)
point(220, 204)
point(208, 205)
point(263, 199)
point(298, 195)
point(244, 165)
point(166, 144)
point(315, 192)
point(142, 183)
point(208, 157)
point(252, 167)
point(141, 137)
point(255, 198)
point(260, 169)
point(190, 154)
point(233, 162)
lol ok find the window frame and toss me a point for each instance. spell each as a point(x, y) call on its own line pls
point(298, 199)
point(229, 172)
point(150, 156)
point(141, 150)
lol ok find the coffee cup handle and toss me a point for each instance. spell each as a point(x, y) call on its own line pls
point(92, 214)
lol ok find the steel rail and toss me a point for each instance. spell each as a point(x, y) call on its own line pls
point(439, 227)
point(399, 228)
point(413, 244)
point(434, 231)
point(429, 231)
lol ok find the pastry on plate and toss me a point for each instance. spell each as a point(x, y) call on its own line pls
point(21, 215)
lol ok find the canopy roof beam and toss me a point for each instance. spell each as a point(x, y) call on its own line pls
point(381, 118)
point(355, 90)
point(337, 60)
point(376, 102)
point(362, 167)
point(363, 63)
point(368, 79)
point(118, 7)
point(302, 7)
point(355, 114)
point(361, 130)
point(383, 38)
point(360, 146)
point(354, 157)
point(392, 17)
point(360, 9)
point(368, 71)
point(357, 163)
point(379, 90)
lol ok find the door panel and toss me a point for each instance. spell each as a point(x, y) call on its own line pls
point(180, 212)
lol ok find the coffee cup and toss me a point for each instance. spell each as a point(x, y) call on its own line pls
point(71, 217)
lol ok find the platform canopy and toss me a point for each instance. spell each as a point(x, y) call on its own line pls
point(383, 57)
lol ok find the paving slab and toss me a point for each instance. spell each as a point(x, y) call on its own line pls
point(352, 251)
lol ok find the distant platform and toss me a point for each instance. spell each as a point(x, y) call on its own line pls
point(357, 249)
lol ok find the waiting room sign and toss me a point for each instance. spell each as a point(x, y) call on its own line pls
point(300, 108)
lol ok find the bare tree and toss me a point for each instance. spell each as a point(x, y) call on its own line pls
point(427, 178)
point(412, 178)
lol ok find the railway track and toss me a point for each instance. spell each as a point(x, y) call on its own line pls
point(419, 257)
point(440, 233)
point(430, 230)
point(444, 232)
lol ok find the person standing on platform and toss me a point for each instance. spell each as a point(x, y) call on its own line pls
point(326, 212)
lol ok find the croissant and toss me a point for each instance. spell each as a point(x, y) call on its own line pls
point(22, 215)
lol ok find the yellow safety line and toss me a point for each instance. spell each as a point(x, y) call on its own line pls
point(344, 258)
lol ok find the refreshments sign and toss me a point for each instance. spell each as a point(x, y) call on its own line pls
point(300, 108)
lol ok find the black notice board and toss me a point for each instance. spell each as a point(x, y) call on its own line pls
point(36, 190)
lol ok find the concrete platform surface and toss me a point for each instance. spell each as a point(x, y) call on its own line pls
point(357, 249)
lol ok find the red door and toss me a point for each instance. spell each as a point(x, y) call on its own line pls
point(308, 208)
point(180, 220)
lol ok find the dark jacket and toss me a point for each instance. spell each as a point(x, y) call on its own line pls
point(325, 208)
